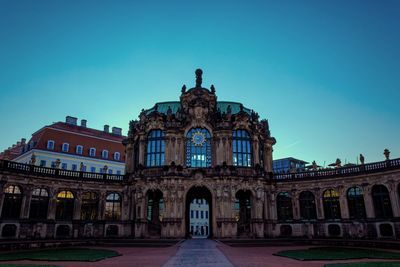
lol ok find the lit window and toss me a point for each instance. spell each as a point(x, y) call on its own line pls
point(92, 169)
point(241, 148)
point(110, 171)
point(104, 154)
point(79, 150)
point(155, 148)
point(64, 166)
point(50, 145)
point(113, 207)
point(65, 147)
point(92, 152)
point(117, 156)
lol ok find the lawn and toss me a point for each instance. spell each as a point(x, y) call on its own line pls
point(365, 264)
point(337, 253)
point(62, 254)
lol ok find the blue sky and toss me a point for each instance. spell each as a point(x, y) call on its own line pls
point(325, 73)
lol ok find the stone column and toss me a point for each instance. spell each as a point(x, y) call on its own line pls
point(319, 204)
point(102, 205)
point(51, 214)
point(295, 205)
point(130, 158)
point(77, 205)
point(344, 207)
point(255, 152)
point(26, 202)
point(369, 204)
point(142, 150)
point(394, 198)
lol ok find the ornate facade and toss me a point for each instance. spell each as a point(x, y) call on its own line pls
point(200, 148)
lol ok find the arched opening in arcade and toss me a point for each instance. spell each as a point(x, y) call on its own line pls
point(155, 208)
point(243, 212)
point(198, 212)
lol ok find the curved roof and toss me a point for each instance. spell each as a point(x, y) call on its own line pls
point(162, 107)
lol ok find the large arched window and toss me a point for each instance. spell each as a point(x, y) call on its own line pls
point(155, 148)
point(90, 203)
point(113, 207)
point(198, 148)
point(65, 205)
point(382, 204)
point(307, 206)
point(331, 205)
point(284, 206)
point(241, 148)
point(12, 202)
point(355, 201)
point(39, 204)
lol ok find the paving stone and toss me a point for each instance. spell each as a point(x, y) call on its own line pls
point(199, 253)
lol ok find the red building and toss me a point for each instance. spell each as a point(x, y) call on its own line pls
point(70, 146)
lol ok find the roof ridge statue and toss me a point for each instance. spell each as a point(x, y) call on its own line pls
point(199, 79)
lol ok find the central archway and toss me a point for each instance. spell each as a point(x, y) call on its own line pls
point(198, 196)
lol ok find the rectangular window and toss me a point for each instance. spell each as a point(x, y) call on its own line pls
point(191, 214)
point(65, 147)
point(83, 168)
point(74, 167)
point(197, 214)
point(110, 171)
point(79, 150)
point(119, 172)
point(42, 163)
point(64, 166)
point(53, 164)
point(202, 214)
point(206, 214)
point(92, 169)
point(50, 145)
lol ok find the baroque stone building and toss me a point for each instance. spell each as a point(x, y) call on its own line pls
point(204, 149)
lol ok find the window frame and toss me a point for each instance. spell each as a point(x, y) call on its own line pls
point(155, 148)
point(50, 147)
point(242, 148)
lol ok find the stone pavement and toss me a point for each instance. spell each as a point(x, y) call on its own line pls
point(199, 253)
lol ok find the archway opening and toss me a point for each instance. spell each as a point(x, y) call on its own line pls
point(155, 208)
point(243, 212)
point(198, 212)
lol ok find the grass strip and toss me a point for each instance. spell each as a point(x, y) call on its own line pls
point(337, 253)
point(60, 254)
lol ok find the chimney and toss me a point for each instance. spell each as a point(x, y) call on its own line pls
point(83, 123)
point(23, 141)
point(71, 120)
point(106, 128)
point(116, 131)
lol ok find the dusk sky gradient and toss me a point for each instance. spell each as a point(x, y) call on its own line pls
point(325, 73)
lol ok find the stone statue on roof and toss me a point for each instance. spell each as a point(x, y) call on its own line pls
point(199, 79)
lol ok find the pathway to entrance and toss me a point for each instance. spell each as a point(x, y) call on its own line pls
point(200, 253)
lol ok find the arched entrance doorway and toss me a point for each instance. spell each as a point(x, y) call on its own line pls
point(155, 208)
point(198, 212)
point(243, 212)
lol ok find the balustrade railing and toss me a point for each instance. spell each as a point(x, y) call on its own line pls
point(341, 171)
point(58, 173)
point(11, 166)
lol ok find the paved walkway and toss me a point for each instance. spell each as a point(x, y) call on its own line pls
point(199, 253)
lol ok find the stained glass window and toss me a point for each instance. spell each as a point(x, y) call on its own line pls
point(198, 148)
